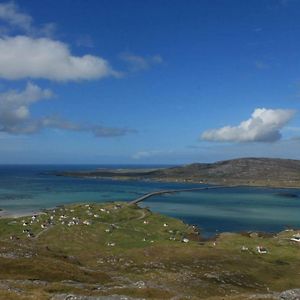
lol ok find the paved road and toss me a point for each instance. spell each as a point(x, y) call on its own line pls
point(146, 196)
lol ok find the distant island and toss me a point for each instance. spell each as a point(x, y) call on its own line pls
point(266, 172)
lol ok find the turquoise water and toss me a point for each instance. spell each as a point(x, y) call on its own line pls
point(31, 188)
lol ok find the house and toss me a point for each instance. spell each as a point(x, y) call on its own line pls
point(185, 240)
point(261, 250)
point(244, 248)
point(296, 238)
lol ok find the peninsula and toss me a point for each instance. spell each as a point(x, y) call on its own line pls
point(117, 251)
point(268, 172)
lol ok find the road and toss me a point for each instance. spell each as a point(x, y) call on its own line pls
point(156, 193)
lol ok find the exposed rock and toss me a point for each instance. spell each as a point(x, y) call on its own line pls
point(77, 297)
point(290, 295)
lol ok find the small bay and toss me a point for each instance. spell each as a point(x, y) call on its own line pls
point(25, 189)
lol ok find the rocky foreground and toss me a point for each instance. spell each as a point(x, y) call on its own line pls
point(244, 171)
point(121, 251)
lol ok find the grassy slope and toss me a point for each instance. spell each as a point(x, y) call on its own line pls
point(77, 259)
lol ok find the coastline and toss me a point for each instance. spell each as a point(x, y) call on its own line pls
point(77, 247)
point(182, 181)
point(4, 214)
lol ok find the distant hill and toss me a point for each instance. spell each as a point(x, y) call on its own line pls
point(248, 171)
point(242, 171)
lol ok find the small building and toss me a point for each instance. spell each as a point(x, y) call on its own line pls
point(296, 238)
point(261, 250)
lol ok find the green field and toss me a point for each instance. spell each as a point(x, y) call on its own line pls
point(119, 249)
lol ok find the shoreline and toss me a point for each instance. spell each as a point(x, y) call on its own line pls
point(179, 181)
point(4, 215)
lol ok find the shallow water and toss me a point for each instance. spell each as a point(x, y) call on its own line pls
point(25, 189)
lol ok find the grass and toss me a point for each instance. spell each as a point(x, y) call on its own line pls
point(131, 251)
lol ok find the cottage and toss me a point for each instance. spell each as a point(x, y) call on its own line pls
point(71, 223)
point(185, 240)
point(261, 250)
point(296, 238)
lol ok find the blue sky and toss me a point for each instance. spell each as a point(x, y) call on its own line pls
point(148, 81)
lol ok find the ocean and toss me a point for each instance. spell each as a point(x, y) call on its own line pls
point(26, 189)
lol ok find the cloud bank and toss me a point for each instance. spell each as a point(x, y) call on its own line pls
point(15, 115)
point(33, 54)
point(263, 126)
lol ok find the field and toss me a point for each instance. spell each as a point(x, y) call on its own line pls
point(97, 250)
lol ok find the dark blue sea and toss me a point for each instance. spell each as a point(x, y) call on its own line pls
point(27, 188)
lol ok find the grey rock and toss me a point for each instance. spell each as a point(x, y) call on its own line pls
point(290, 295)
point(78, 297)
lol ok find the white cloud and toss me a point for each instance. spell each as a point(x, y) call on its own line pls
point(151, 153)
point(140, 63)
point(15, 116)
point(9, 12)
point(11, 15)
point(97, 130)
point(14, 108)
point(26, 57)
point(32, 56)
point(263, 126)
point(261, 65)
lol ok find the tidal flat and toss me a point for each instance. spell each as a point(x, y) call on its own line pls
point(122, 251)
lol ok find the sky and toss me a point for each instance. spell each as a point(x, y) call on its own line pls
point(148, 82)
